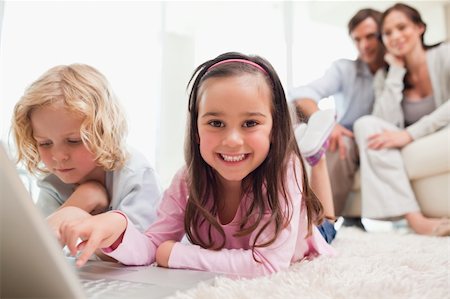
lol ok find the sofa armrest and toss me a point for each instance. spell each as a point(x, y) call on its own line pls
point(428, 155)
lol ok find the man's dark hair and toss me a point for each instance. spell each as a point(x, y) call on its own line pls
point(361, 15)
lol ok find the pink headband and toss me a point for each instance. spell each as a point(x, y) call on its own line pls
point(238, 60)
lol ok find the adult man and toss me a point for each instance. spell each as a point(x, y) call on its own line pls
point(350, 82)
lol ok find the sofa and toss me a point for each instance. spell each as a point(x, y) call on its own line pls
point(427, 162)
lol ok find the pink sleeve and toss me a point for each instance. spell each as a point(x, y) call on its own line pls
point(239, 262)
point(273, 258)
point(140, 248)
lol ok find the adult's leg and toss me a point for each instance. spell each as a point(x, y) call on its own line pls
point(385, 187)
point(342, 173)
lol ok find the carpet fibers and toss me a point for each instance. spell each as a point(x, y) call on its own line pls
point(369, 265)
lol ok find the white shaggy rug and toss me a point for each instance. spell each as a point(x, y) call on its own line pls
point(368, 265)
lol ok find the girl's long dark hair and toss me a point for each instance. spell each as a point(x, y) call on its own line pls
point(266, 183)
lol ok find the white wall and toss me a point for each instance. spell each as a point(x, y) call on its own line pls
point(121, 39)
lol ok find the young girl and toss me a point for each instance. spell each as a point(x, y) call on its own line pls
point(243, 198)
point(69, 126)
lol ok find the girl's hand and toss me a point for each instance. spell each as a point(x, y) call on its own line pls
point(65, 214)
point(394, 60)
point(99, 231)
point(389, 139)
point(163, 253)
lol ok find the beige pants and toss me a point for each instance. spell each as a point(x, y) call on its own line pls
point(385, 188)
point(342, 173)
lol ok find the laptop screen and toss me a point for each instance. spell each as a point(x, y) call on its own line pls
point(32, 265)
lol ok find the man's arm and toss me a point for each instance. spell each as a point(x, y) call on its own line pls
point(306, 107)
point(306, 99)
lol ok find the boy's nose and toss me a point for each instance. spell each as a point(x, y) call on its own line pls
point(60, 155)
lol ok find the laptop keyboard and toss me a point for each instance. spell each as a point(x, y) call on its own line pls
point(108, 288)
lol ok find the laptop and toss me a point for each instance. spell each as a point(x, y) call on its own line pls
point(33, 264)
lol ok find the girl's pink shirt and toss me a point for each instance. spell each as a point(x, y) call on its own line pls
point(236, 258)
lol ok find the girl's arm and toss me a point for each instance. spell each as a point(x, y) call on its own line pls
point(100, 231)
point(139, 248)
point(239, 261)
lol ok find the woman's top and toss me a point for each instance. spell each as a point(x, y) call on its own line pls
point(413, 110)
point(237, 257)
point(389, 94)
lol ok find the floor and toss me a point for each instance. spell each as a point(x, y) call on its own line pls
point(400, 226)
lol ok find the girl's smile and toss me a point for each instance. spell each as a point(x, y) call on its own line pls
point(234, 158)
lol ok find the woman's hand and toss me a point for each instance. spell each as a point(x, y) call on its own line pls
point(391, 59)
point(100, 231)
point(389, 139)
point(163, 253)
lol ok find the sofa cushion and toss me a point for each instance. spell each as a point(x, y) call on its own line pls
point(428, 155)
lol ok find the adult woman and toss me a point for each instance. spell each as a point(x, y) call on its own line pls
point(411, 102)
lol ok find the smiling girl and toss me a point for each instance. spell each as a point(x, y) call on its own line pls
point(243, 198)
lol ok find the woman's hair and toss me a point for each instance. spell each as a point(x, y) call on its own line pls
point(269, 176)
point(361, 16)
point(414, 15)
point(84, 91)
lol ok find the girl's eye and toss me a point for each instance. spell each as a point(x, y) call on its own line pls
point(216, 123)
point(250, 123)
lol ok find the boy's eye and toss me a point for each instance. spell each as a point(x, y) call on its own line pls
point(74, 141)
point(44, 143)
point(250, 123)
point(216, 123)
